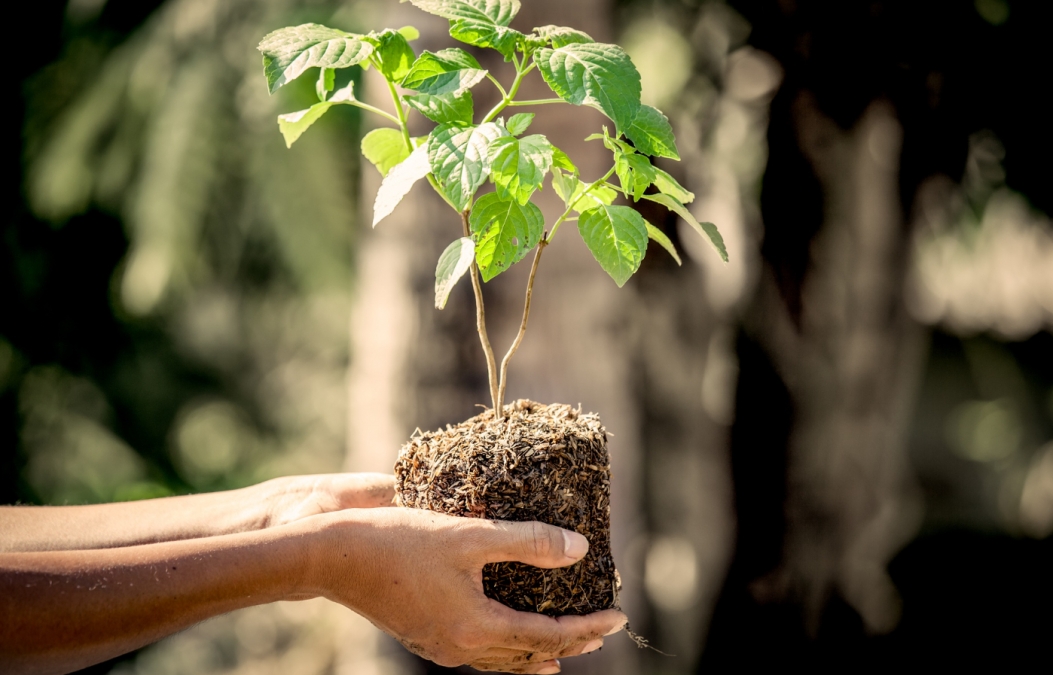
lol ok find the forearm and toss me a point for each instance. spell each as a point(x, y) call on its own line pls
point(72, 528)
point(60, 611)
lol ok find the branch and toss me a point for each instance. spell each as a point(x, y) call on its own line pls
point(522, 328)
point(480, 326)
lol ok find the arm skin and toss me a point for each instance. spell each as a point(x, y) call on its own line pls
point(276, 502)
point(415, 574)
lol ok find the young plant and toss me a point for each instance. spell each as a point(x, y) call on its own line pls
point(466, 150)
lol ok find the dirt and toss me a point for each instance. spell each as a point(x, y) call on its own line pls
point(542, 462)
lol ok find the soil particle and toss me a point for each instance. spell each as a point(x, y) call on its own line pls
point(542, 462)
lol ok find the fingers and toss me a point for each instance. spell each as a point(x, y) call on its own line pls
point(532, 543)
point(545, 668)
point(542, 634)
point(364, 490)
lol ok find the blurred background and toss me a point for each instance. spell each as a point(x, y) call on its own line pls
point(834, 452)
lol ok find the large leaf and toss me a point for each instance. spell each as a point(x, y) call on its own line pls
point(385, 148)
point(499, 12)
point(399, 181)
point(293, 125)
point(707, 230)
point(288, 52)
point(453, 263)
point(659, 238)
point(617, 237)
point(445, 108)
point(652, 134)
point(393, 54)
point(504, 231)
point(445, 72)
point(488, 35)
point(595, 74)
point(458, 158)
point(518, 166)
point(561, 36)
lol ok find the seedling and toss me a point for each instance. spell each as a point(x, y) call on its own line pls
point(524, 461)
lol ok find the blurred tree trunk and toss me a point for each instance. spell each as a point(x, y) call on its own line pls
point(414, 366)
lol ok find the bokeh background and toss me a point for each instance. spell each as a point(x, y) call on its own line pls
point(835, 452)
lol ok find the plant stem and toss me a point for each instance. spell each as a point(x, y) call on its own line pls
point(508, 99)
point(402, 115)
point(480, 325)
point(540, 101)
point(504, 94)
point(378, 111)
point(522, 327)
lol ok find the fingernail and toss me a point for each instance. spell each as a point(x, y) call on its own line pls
point(592, 646)
point(549, 671)
point(617, 627)
point(574, 545)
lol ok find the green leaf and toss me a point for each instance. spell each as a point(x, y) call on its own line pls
point(458, 158)
point(566, 185)
point(504, 231)
point(707, 230)
point(445, 108)
point(489, 35)
point(448, 71)
point(500, 12)
point(453, 263)
point(288, 52)
point(393, 55)
point(617, 237)
point(561, 36)
point(666, 184)
point(326, 82)
point(635, 173)
point(293, 125)
point(561, 160)
point(572, 191)
point(410, 33)
point(659, 238)
point(518, 166)
point(595, 74)
point(385, 148)
point(652, 134)
point(518, 124)
point(398, 183)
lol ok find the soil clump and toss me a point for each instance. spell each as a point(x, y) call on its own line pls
point(542, 462)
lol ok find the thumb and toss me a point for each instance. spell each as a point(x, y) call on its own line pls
point(535, 544)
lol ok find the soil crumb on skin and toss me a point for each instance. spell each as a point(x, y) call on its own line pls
point(542, 462)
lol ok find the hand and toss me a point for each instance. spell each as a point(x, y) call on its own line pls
point(418, 576)
point(297, 497)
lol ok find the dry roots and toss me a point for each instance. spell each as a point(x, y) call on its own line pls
point(543, 462)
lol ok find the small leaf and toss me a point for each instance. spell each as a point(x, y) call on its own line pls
point(398, 183)
point(666, 184)
point(652, 134)
point(504, 231)
point(565, 185)
point(410, 33)
point(448, 71)
point(596, 74)
point(635, 173)
point(659, 238)
point(561, 160)
point(458, 158)
point(518, 166)
point(518, 124)
point(293, 125)
point(486, 34)
point(617, 237)
point(326, 82)
point(393, 55)
point(453, 263)
point(561, 36)
point(707, 230)
point(385, 148)
point(288, 52)
point(500, 12)
point(445, 108)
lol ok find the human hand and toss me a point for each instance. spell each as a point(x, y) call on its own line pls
point(296, 497)
point(417, 575)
